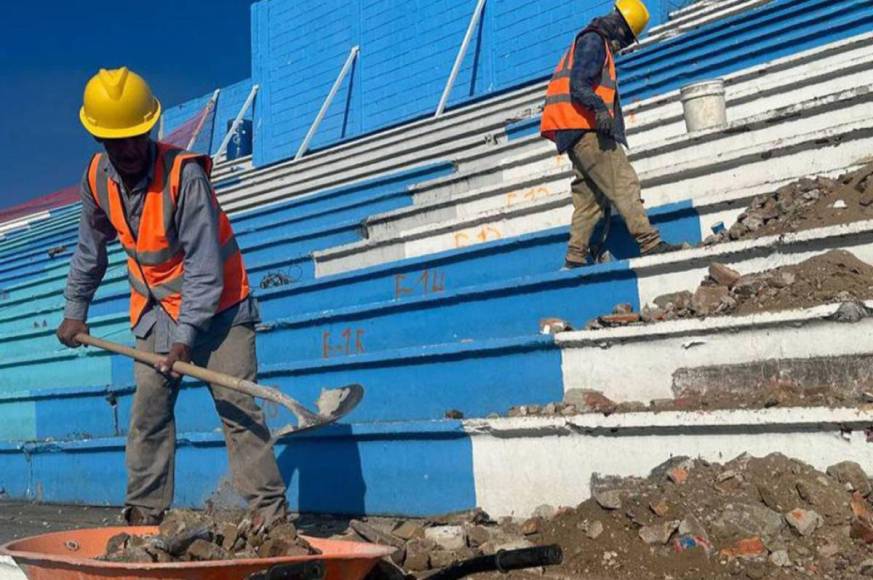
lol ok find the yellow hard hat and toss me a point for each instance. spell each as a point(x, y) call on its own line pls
point(118, 103)
point(634, 13)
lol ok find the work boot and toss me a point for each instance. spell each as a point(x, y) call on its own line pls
point(663, 248)
point(136, 516)
point(568, 265)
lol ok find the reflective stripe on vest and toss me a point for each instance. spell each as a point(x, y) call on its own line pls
point(560, 111)
point(155, 256)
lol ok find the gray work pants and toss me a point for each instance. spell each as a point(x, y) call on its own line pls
point(603, 175)
point(151, 442)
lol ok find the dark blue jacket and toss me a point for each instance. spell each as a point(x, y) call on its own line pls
point(587, 68)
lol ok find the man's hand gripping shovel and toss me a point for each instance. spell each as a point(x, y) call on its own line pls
point(333, 404)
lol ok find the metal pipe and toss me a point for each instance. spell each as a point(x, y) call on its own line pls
point(236, 122)
point(202, 121)
point(459, 60)
point(353, 53)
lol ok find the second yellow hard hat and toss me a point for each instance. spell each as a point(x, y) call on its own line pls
point(635, 14)
point(118, 103)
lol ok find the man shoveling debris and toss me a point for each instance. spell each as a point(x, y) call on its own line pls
point(583, 117)
point(190, 297)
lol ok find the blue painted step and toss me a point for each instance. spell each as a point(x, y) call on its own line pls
point(476, 378)
point(417, 468)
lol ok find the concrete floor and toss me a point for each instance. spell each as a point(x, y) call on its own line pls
point(22, 519)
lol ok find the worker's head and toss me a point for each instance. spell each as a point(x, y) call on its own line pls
point(119, 110)
point(635, 15)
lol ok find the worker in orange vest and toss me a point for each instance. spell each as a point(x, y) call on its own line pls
point(583, 117)
point(189, 293)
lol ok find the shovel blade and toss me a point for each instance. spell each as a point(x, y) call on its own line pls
point(333, 405)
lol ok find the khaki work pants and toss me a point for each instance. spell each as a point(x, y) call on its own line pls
point(151, 442)
point(603, 175)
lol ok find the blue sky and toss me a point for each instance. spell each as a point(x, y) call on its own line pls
point(49, 49)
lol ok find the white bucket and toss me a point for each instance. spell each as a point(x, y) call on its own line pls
point(704, 105)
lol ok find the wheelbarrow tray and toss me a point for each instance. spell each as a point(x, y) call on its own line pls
point(70, 556)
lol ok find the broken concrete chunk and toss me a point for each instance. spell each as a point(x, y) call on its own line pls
point(707, 299)
point(608, 499)
point(678, 300)
point(447, 537)
point(805, 522)
point(659, 533)
point(851, 473)
point(408, 530)
point(723, 275)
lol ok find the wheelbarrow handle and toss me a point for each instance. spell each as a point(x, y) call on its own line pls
point(503, 561)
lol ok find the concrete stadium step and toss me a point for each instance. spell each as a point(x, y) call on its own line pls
point(477, 377)
point(523, 159)
point(497, 310)
point(753, 169)
point(350, 202)
point(420, 140)
point(356, 198)
point(423, 468)
point(645, 363)
point(560, 455)
point(696, 15)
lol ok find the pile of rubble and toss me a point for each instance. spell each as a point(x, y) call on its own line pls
point(770, 517)
point(187, 536)
point(805, 204)
point(835, 276)
point(751, 518)
point(434, 543)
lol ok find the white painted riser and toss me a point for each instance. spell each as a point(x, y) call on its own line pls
point(514, 475)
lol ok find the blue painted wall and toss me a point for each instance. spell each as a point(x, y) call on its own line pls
point(407, 50)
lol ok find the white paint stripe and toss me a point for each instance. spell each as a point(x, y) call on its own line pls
point(638, 363)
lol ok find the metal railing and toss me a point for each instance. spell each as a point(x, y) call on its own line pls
point(236, 122)
point(459, 60)
point(353, 54)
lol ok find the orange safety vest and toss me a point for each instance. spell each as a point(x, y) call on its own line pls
point(560, 112)
point(155, 263)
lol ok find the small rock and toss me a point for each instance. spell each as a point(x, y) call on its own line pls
point(532, 526)
point(660, 508)
point(780, 558)
point(658, 533)
point(804, 521)
point(550, 409)
point(545, 512)
point(866, 568)
point(408, 530)
point(454, 414)
point(707, 299)
point(745, 549)
point(678, 475)
point(201, 550)
point(722, 275)
point(569, 410)
point(866, 199)
point(477, 535)
point(418, 555)
point(594, 529)
point(447, 537)
point(609, 499)
point(620, 319)
point(839, 204)
point(623, 309)
point(853, 474)
point(554, 326)
point(679, 300)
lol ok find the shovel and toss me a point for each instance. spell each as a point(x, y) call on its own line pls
point(333, 404)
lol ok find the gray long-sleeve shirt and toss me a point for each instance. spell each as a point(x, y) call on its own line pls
point(196, 222)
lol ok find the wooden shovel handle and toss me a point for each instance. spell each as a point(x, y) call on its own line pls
point(200, 373)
